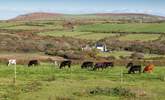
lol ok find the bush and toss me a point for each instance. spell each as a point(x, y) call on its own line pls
point(137, 56)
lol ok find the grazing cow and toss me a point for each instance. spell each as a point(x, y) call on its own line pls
point(99, 65)
point(65, 63)
point(148, 68)
point(108, 64)
point(103, 65)
point(33, 63)
point(133, 68)
point(87, 64)
point(12, 62)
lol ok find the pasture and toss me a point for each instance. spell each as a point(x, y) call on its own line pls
point(48, 82)
point(130, 27)
point(118, 54)
point(80, 35)
point(139, 37)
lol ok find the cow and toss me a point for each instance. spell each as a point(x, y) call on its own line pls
point(149, 68)
point(33, 63)
point(11, 62)
point(99, 65)
point(87, 64)
point(65, 63)
point(108, 64)
point(103, 65)
point(133, 68)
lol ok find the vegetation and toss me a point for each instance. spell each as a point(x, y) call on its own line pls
point(139, 37)
point(81, 35)
point(130, 27)
point(47, 82)
point(46, 40)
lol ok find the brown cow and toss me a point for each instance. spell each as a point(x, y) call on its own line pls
point(149, 68)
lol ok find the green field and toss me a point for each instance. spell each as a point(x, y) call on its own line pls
point(47, 82)
point(76, 34)
point(118, 54)
point(139, 37)
point(37, 25)
point(131, 27)
point(95, 31)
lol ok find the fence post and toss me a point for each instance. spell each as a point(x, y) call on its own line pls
point(15, 74)
point(121, 75)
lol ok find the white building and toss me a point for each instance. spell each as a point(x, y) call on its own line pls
point(101, 47)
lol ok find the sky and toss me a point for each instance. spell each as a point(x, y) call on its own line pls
point(13, 8)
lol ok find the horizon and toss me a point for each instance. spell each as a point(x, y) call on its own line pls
point(11, 9)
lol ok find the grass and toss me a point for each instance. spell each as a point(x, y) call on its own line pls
point(38, 25)
point(131, 27)
point(76, 34)
point(118, 54)
point(139, 37)
point(95, 31)
point(96, 36)
point(47, 82)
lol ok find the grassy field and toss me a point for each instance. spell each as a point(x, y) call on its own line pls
point(76, 34)
point(131, 27)
point(38, 25)
point(139, 37)
point(47, 82)
point(118, 54)
point(92, 31)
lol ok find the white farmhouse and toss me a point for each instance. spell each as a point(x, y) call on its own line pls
point(101, 47)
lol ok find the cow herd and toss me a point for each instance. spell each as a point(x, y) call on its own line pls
point(93, 66)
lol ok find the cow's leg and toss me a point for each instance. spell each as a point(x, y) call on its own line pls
point(8, 63)
point(60, 66)
point(69, 65)
point(129, 72)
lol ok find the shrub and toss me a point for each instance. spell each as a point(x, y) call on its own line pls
point(137, 56)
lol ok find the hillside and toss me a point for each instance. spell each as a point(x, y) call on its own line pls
point(97, 16)
point(37, 16)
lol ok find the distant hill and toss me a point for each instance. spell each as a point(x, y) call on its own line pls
point(38, 16)
point(132, 16)
point(125, 14)
point(109, 16)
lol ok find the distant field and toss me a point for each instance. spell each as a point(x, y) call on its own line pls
point(27, 27)
point(133, 27)
point(118, 54)
point(140, 37)
point(40, 25)
point(81, 35)
point(47, 82)
point(91, 32)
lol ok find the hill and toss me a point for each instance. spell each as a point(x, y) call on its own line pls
point(37, 16)
point(97, 16)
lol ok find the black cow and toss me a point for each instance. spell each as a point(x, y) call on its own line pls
point(133, 68)
point(65, 63)
point(108, 64)
point(103, 65)
point(99, 65)
point(33, 62)
point(87, 64)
